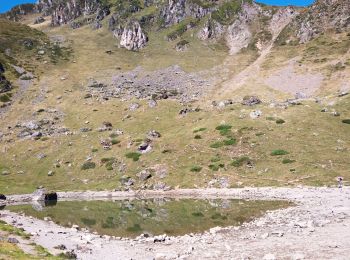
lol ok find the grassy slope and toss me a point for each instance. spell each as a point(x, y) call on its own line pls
point(308, 135)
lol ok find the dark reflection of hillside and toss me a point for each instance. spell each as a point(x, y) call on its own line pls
point(130, 218)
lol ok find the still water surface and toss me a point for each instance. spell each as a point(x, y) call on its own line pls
point(130, 218)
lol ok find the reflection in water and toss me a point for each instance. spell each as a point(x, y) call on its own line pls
point(40, 205)
point(130, 218)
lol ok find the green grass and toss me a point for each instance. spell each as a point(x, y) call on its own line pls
point(346, 121)
point(238, 162)
point(279, 152)
point(115, 141)
point(280, 121)
point(196, 168)
point(214, 167)
point(5, 98)
point(88, 165)
point(134, 156)
point(286, 161)
point(13, 230)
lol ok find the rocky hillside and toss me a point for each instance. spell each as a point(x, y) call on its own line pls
point(323, 16)
point(239, 23)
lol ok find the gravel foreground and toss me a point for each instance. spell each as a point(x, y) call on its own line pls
point(317, 227)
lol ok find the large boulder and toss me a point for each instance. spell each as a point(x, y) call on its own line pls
point(133, 38)
point(44, 195)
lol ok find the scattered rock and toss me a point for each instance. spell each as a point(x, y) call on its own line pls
point(145, 147)
point(300, 95)
point(85, 129)
point(39, 20)
point(160, 238)
point(161, 186)
point(153, 134)
point(144, 175)
point(255, 114)
point(152, 103)
point(134, 106)
point(251, 100)
point(12, 240)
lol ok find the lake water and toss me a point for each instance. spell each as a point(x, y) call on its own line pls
point(130, 218)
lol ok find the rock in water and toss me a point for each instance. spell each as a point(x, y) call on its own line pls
point(43, 195)
point(133, 38)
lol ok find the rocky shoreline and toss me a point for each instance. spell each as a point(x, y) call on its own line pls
point(316, 227)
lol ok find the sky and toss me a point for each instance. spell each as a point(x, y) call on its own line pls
point(6, 5)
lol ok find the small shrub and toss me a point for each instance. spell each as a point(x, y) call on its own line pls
point(105, 160)
point(217, 145)
point(346, 121)
point(238, 162)
point(4, 98)
point(279, 152)
point(196, 168)
point(280, 121)
point(260, 134)
point(215, 159)
point(285, 161)
point(115, 141)
point(214, 167)
point(197, 214)
point(197, 137)
point(109, 168)
point(231, 141)
point(113, 135)
point(270, 118)
point(94, 150)
point(134, 156)
point(88, 165)
point(166, 151)
point(199, 130)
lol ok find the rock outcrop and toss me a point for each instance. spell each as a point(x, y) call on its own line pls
point(5, 85)
point(239, 34)
point(173, 12)
point(323, 16)
point(63, 12)
point(211, 30)
point(133, 38)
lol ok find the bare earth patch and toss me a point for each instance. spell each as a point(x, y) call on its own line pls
point(289, 81)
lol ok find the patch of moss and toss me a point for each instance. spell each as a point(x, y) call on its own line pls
point(196, 168)
point(88, 165)
point(279, 152)
point(134, 156)
point(286, 161)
